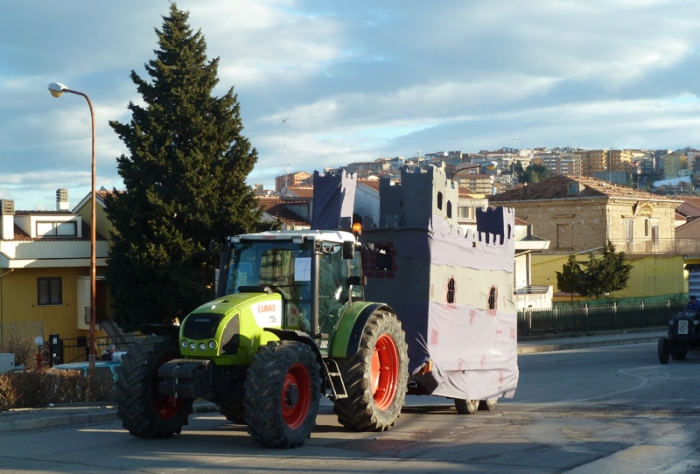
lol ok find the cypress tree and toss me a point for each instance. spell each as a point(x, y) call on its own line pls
point(608, 273)
point(185, 182)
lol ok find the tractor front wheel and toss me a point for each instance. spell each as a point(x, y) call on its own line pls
point(282, 394)
point(143, 411)
point(376, 378)
point(233, 410)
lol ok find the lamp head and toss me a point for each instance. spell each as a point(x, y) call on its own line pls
point(57, 89)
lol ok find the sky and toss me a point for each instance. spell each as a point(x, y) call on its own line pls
point(325, 83)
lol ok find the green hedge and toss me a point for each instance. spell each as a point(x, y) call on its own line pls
point(33, 389)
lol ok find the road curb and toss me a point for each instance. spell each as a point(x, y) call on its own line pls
point(42, 418)
point(583, 345)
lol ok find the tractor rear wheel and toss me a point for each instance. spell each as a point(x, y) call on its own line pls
point(143, 411)
point(282, 394)
point(376, 378)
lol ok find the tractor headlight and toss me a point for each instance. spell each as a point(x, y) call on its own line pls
point(212, 344)
point(670, 322)
point(202, 346)
point(184, 344)
point(193, 346)
point(696, 322)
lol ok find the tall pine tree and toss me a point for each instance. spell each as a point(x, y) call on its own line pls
point(185, 182)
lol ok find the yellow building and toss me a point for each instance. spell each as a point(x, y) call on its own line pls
point(44, 272)
point(621, 160)
point(579, 215)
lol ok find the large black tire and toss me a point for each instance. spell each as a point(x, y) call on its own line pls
point(233, 410)
point(282, 394)
point(375, 398)
point(466, 407)
point(679, 355)
point(663, 350)
point(488, 405)
point(145, 413)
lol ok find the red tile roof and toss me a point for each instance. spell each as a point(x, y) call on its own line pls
point(277, 207)
point(688, 209)
point(557, 187)
point(370, 183)
point(302, 191)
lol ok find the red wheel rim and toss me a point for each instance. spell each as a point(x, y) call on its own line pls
point(165, 407)
point(296, 396)
point(384, 372)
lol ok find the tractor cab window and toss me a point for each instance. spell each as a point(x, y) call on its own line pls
point(357, 291)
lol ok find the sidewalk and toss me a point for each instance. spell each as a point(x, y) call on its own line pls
point(92, 413)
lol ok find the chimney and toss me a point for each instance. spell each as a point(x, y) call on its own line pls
point(62, 199)
point(7, 223)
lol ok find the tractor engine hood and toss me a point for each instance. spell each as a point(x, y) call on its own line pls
point(227, 325)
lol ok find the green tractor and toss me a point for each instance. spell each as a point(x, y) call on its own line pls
point(289, 324)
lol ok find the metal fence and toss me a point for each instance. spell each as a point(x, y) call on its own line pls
point(582, 319)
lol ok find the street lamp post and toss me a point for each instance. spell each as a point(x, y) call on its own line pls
point(57, 90)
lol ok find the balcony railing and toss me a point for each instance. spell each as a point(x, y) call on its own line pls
point(687, 247)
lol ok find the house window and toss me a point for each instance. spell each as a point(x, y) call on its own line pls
point(451, 291)
point(439, 201)
point(449, 209)
point(492, 298)
point(629, 230)
point(56, 229)
point(464, 212)
point(655, 235)
point(50, 291)
point(565, 238)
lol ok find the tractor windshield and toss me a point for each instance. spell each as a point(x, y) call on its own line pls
point(282, 264)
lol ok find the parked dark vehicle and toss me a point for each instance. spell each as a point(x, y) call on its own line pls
point(683, 334)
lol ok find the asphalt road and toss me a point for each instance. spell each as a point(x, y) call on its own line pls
point(609, 409)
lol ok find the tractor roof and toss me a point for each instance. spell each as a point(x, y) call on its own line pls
point(325, 235)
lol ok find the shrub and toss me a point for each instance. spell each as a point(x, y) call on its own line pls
point(31, 389)
point(23, 348)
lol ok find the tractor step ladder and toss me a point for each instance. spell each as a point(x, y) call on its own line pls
point(335, 377)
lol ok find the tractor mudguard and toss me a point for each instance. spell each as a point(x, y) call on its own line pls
point(346, 340)
point(167, 330)
point(299, 336)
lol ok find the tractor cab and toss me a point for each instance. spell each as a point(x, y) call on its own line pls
point(317, 274)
